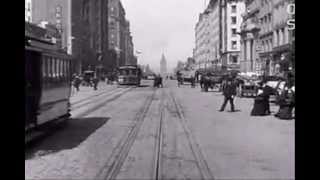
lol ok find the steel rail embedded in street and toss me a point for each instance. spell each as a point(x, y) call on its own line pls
point(89, 110)
point(158, 145)
point(89, 100)
point(110, 171)
point(196, 150)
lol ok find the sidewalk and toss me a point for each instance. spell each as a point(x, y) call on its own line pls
point(86, 92)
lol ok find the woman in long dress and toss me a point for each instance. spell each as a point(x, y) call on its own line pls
point(286, 104)
point(260, 107)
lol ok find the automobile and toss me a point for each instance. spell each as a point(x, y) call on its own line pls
point(248, 89)
point(278, 87)
point(150, 77)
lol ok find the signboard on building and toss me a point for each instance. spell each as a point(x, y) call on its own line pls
point(258, 48)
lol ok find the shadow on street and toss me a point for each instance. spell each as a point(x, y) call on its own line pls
point(66, 135)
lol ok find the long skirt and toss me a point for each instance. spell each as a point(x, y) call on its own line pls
point(260, 107)
point(285, 112)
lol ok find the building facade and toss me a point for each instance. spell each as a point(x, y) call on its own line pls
point(120, 39)
point(56, 12)
point(265, 42)
point(265, 36)
point(28, 10)
point(129, 49)
point(250, 37)
point(90, 32)
point(207, 36)
point(215, 32)
point(232, 11)
point(201, 38)
point(163, 66)
point(282, 36)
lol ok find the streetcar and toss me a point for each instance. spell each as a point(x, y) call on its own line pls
point(47, 85)
point(129, 75)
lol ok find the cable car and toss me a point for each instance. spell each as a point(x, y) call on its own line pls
point(47, 85)
point(129, 75)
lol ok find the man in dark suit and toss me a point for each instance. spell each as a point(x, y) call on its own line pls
point(229, 92)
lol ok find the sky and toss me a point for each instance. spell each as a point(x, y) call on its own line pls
point(163, 26)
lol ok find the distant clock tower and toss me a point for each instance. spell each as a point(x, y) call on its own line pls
point(163, 66)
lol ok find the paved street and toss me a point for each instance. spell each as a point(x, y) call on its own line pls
point(166, 133)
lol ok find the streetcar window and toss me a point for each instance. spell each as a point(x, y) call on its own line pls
point(50, 67)
point(58, 69)
point(67, 69)
point(44, 70)
point(53, 67)
point(43, 67)
point(61, 69)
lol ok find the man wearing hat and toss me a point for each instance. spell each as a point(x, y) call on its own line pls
point(229, 92)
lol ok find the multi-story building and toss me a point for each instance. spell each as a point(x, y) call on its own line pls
point(207, 36)
point(282, 41)
point(266, 38)
point(215, 32)
point(265, 42)
point(56, 12)
point(90, 32)
point(250, 36)
point(163, 66)
point(231, 21)
point(130, 50)
point(119, 34)
point(201, 38)
point(28, 10)
point(128, 45)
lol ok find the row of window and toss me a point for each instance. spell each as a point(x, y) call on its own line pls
point(266, 23)
point(128, 72)
point(55, 70)
point(233, 44)
point(233, 20)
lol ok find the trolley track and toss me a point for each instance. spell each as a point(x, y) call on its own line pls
point(120, 153)
point(100, 104)
point(159, 141)
point(96, 97)
point(194, 146)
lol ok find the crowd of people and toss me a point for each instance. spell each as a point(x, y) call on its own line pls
point(78, 80)
point(231, 87)
point(285, 99)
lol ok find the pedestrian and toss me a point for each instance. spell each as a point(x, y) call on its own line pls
point(156, 81)
point(77, 82)
point(229, 92)
point(286, 104)
point(261, 103)
point(95, 82)
point(193, 83)
point(160, 81)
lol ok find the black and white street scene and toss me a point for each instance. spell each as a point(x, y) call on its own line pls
point(160, 89)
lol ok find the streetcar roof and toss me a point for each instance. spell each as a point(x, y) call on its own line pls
point(128, 67)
